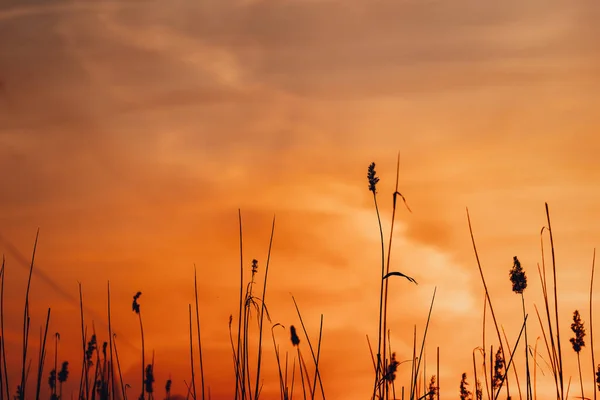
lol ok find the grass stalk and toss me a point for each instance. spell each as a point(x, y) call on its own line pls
point(373, 180)
point(199, 335)
point(123, 391)
point(424, 338)
point(317, 360)
point(42, 358)
point(591, 324)
point(239, 379)
point(487, 294)
point(193, 382)
point(387, 267)
point(437, 362)
point(110, 344)
point(510, 354)
point(5, 370)
point(26, 320)
point(84, 372)
point(262, 311)
point(560, 364)
point(317, 371)
point(510, 360)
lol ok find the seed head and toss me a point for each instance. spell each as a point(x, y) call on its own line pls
point(295, 338)
point(149, 381)
point(498, 369)
point(517, 276)
point(254, 267)
point(579, 330)
point(135, 305)
point(64, 372)
point(52, 379)
point(372, 177)
point(390, 371)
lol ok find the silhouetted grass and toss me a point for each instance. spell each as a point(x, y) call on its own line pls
point(98, 379)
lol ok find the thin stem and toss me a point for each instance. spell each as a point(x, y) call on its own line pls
point(487, 295)
point(239, 379)
point(42, 358)
point(560, 366)
point(6, 383)
point(380, 365)
point(26, 319)
point(591, 324)
point(580, 378)
point(262, 311)
point(110, 343)
point(192, 354)
point(198, 328)
point(528, 388)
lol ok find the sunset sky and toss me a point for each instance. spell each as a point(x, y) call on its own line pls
point(131, 132)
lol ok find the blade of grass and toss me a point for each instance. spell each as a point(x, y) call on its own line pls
point(424, 338)
point(262, 311)
point(3, 274)
point(240, 380)
point(487, 294)
point(560, 365)
point(110, 343)
point(510, 360)
point(42, 358)
point(591, 324)
point(192, 354)
point(26, 318)
point(199, 335)
point(310, 346)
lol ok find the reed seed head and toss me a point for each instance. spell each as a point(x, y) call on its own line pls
point(90, 350)
point(52, 379)
point(579, 330)
point(465, 393)
point(295, 338)
point(432, 389)
point(63, 375)
point(372, 177)
point(598, 377)
point(498, 369)
point(149, 381)
point(518, 277)
point(135, 305)
point(390, 370)
point(254, 267)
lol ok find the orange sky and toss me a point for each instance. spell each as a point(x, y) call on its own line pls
point(132, 131)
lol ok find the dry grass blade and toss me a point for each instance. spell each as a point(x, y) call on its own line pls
point(42, 358)
point(239, 378)
point(192, 353)
point(372, 356)
point(510, 360)
point(318, 357)
point(510, 353)
point(310, 347)
point(5, 370)
point(591, 324)
point(110, 343)
point(560, 364)
point(262, 311)
point(424, 339)
point(199, 334)
point(395, 273)
point(487, 293)
point(26, 320)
